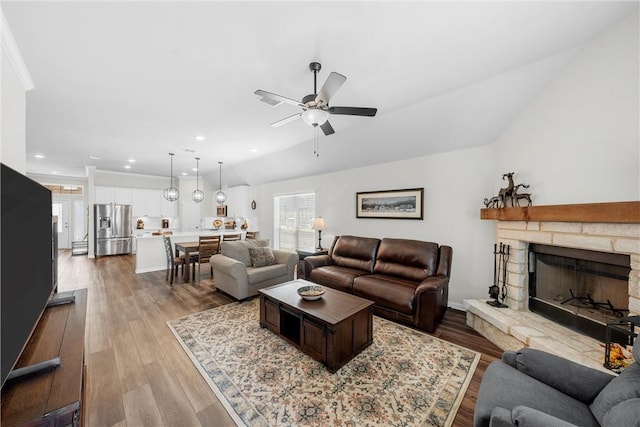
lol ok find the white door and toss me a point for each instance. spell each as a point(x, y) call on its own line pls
point(60, 208)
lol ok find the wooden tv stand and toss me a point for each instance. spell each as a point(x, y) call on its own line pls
point(54, 397)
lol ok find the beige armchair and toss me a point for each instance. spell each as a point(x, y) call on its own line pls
point(245, 266)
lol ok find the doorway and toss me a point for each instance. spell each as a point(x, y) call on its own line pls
point(60, 208)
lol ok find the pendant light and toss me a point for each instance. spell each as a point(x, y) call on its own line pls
point(221, 197)
point(171, 194)
point(197, 195)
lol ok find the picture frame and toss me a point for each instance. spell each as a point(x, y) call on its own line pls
point(391, 204)
point(221, 210)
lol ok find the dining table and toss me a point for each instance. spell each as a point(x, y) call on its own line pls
point(188, 248)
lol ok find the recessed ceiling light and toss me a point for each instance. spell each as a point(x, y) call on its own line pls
point(199, 137)
point(54, 172)
point(194, 169)
point(132, 160)
point(254, 150)
point(127, 166)
point(94, 157)
point(184, 174)
point(39, 156)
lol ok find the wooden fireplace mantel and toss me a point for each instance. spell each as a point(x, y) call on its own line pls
point(613, 212)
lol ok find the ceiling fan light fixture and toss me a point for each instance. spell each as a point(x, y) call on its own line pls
point(315, 117)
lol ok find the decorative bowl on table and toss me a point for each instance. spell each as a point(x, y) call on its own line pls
point(311, 292)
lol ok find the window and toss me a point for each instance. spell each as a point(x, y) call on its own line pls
point(76, 190)
point(293, 219)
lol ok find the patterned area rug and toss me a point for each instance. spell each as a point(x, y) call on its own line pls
point(403, 378)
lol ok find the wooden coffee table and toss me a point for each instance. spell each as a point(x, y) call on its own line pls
point(332, 330)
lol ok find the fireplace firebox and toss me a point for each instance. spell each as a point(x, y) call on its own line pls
point(580, 289)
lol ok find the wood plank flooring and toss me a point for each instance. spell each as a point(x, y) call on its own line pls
point(137, 373)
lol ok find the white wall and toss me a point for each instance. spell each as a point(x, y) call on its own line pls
point(453, 186)
point(577, 142)
point(13, 111)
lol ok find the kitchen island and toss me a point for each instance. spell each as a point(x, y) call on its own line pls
point(150, 254)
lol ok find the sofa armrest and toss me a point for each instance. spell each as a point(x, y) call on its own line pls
point(288, 258)
point(524, 416)
point(315, 261)
point(431, 299)
point(230, 267)
point(571, 378)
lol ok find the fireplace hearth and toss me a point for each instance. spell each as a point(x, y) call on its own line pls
point(581, 289)
point(611, 228)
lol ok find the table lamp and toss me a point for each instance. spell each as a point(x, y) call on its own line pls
point(318, 224)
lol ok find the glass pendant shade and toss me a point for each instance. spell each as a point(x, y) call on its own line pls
point(197, 195)
point(220, 196)
point(171, 194)
point(315, 117)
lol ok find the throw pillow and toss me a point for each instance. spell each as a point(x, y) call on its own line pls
point(261, 257)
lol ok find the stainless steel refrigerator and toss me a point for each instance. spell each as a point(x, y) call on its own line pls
point(113, 228)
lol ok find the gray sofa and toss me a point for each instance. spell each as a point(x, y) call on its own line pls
point(534, 388)
point(237, 274)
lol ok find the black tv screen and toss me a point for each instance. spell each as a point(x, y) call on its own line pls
point(25, 261)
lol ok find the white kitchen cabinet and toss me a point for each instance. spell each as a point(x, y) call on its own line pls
point(238, 203)
point(190, 215)
point(118, 195)
point(103, 195)
point(122, 195)
point(146, 202)
point(168, 208)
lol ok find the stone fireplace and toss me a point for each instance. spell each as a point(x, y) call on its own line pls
point(607, 228)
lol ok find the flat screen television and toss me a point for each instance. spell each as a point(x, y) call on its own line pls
point(26, 267)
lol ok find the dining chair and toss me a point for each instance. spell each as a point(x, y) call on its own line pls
point(231, 237)
point(209, 246)
point(173, 262)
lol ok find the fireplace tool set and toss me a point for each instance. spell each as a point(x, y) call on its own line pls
point(498, 291)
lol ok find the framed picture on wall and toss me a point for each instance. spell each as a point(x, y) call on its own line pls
point(392, 204)
point(221, 210)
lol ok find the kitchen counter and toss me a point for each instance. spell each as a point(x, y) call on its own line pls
point(150, 255)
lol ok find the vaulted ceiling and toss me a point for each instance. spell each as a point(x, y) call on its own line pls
point(137, 80)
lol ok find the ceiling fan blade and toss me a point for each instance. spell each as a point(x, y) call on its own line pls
point(327, 129)
point(330, 87)
point(286, 120)
point(275, 100)
point(353, 111)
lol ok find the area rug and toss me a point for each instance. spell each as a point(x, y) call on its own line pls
point(404, 378)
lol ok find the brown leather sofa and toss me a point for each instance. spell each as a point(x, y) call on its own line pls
point(407, 279)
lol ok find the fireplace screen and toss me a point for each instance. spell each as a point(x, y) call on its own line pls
point(580, 289)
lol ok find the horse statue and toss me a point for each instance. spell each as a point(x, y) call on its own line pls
point(493, 202)
point(515, 196)
point(506, 193)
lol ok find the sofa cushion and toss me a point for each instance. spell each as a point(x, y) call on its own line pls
point(410, 259)
point(624, 387)
point(333, 276)
point(239, 249)
point(261, 257)
point(386, 291)
point(357, 253)
point(262, 274)
point(507, 387)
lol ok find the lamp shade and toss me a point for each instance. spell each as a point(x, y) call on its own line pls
point(315, 117)
point(318, 224)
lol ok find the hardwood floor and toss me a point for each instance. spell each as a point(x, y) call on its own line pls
point(137, 373)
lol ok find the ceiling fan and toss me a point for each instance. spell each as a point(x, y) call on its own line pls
point(315, 107)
